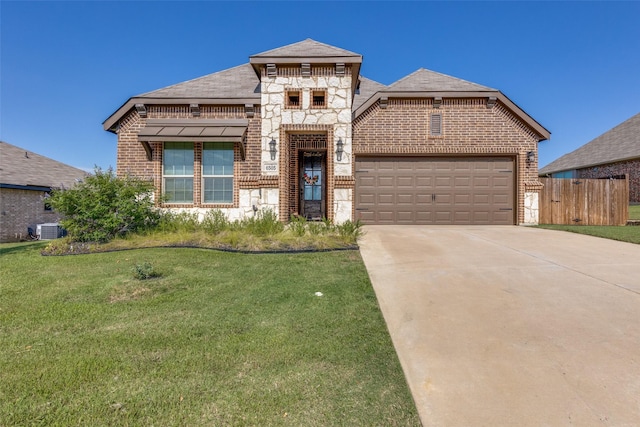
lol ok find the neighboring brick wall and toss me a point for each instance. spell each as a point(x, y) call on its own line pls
point(132, 158)
point(630, 168)
point(468, 128)
point(18, 210)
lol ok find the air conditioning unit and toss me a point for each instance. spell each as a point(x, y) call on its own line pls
point(49, 231)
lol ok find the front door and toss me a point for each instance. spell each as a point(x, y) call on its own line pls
point(312, 185)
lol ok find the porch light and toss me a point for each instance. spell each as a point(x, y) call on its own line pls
point(272, 149)
point(530, 157)
point(339, 149)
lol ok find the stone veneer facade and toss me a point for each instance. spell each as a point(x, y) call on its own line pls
point(333, 119)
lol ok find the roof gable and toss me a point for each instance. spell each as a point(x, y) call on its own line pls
point(366, 90)
point(25, 168)
point(620, 143)
point(306, 49)
point(236, 82)
point(423, 80)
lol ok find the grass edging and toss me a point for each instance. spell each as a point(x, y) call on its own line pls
point(629, 234)
point(219, 249)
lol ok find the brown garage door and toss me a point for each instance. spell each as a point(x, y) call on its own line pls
point(428, 190)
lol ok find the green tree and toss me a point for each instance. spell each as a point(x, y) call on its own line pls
point(104, 206)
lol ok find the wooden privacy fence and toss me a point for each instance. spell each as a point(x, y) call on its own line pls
point(584, 201)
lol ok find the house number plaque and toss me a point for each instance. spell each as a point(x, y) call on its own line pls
point(270, 167)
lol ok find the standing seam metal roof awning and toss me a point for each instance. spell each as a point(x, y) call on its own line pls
point(193, 130)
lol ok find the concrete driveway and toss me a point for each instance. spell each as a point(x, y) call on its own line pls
point(511, 326)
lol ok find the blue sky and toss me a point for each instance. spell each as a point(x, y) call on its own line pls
point(66, 66)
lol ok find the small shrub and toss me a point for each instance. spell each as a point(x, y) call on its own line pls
point(144, 271)
point(350, 230)
point(215, 222)
point(264, 223)
point(316, 228)
point(298, 225)
point(178, 222)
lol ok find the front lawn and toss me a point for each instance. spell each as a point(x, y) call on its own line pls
point(218, 339)
point(634, 212)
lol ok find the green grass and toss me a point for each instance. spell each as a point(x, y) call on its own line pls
point(629, 234)
point(217, 339)
point(634, 212)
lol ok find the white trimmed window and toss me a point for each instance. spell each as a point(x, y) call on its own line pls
point(217, 172)
point(177, 172)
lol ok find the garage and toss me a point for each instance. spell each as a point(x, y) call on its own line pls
point(435, 190)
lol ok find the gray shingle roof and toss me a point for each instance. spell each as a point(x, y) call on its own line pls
point(25, 168)
point(238, 82)
point(368, 88)
point(620, 143)
point(423, 80)
point(308, 49)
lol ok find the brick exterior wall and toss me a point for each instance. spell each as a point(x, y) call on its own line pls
point(132, 158)
point(630, 168)
point(18, 210)
point(469, 128)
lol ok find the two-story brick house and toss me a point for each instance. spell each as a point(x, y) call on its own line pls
point(298, 130)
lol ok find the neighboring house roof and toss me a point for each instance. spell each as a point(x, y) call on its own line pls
point(20, 168)
point(618, 144)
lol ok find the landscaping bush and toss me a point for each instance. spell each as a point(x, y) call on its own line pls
point(298, 225)
point(264, 223)
point(350, 229)
point(215, 221)
point(144, 271)
point(104, 206)
point(175, 222)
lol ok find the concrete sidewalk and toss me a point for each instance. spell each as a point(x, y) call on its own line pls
point(511, 326)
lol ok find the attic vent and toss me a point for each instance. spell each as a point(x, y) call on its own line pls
point(437, 102)
point(195, 110)
point(271, 70)
point(436, 124)
point(384, 101)
point(491, 102)
point(306, 70)
point(340, 69)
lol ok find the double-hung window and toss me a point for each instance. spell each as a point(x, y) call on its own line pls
point(217, 172)
point(178, 172)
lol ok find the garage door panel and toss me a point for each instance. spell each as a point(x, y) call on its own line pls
point(405, 182)
point(386, 199)
point(420, 190)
